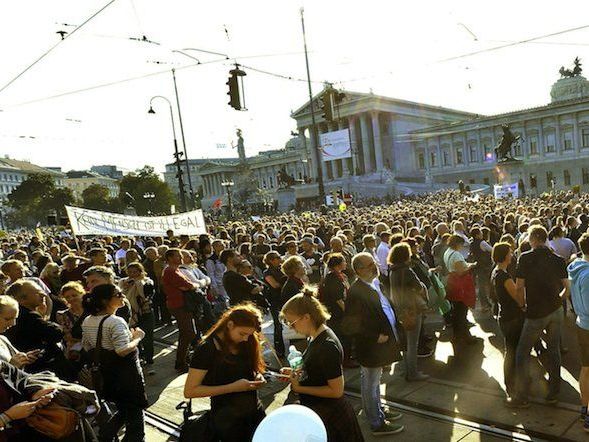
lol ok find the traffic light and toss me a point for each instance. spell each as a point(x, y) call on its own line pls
point(327, 105)
point(236, 96)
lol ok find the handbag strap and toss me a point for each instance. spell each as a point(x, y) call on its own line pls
point(98, 348)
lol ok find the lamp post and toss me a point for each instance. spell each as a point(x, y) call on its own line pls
point(149, 196)
point(177, 154)
point(228, 185)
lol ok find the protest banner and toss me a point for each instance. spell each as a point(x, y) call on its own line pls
point(94, 222)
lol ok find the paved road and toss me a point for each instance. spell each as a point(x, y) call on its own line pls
point(467, 384)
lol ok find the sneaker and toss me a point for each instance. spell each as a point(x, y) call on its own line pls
point(387, 428)
point(516, 403)
point(424, 352)
point(391, 415)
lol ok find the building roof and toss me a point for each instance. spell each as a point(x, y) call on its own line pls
point(201, 161)
point(510, 114)
point(352, 95)
point(27, 167)
point(77, 174)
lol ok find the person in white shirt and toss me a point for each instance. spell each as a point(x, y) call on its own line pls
point(382, 253)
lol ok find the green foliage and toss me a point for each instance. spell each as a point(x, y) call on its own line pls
point(35, 198)
point(143, 181)
point(97, 197)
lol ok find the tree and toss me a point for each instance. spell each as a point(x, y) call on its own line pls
point(35, 198)
point(97, 197)
point(146, 181)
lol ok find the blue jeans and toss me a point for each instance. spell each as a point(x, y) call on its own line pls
point(410, 355)
point(531, 332)
point(370, 390)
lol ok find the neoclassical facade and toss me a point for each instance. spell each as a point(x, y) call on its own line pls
point(554, 144)
point(378, 127)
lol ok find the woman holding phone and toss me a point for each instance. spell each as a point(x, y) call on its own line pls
point(320, 382)
point(227, 366)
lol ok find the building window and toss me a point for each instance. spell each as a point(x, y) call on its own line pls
point(487, 152)
point(550, 143)
point(568, 144)
point(533, 145)
point(585, 137)
point(445, 158)
point(473, 152)
point(585, 171)
point(459, 158)
point(433, 159)
point(486, 181)
point(549, 180)
point(518, 147)
point(271, 181)
point(421, 160)
point(567, 178)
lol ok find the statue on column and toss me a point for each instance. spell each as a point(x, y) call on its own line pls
point(240, 147)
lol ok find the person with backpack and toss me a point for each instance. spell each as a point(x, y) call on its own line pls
point(116, 346)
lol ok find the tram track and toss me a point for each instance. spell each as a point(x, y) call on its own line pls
point(431, 413)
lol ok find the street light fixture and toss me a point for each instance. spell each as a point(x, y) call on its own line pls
point(228, 185)
point(176, 153)
point(149, 196)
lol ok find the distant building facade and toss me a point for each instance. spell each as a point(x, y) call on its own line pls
point(14, 172)
point(78, 181)
point(109, 171)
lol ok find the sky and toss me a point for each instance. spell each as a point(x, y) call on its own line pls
point(397, 49)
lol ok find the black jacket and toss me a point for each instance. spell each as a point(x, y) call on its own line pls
point(291, 287)
point(365, 320)
point(32, 332)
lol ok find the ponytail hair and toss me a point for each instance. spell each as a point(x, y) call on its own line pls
point(97, 300)
point(304, 303)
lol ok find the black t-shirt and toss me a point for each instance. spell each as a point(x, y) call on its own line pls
point(322, 361)
point(333, 290)
point(508, 308)
point(238, 288)
point(274, 293)
point(543, 271)
point(223, 370)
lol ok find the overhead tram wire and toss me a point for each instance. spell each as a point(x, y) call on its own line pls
point(140, 77)
point(64, 38)
point(515, 43)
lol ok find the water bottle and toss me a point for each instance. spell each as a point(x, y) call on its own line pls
point(295, 358)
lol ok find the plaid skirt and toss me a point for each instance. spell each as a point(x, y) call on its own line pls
point(339, 418)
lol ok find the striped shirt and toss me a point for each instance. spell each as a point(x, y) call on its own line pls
point(115, 332)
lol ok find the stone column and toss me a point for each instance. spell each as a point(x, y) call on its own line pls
point(333, 164)
point(378, 154)
point(540, 138)
point(319, 156)
point(393, 163)
point(465, 150)
point(306, 154)
point(207, 185)
point(365, 144)
point(345, 162)
point(557, 143)
point(353, 144)
point(576, 142)
point(524, 141)
point(440, 159)
point(480, 149)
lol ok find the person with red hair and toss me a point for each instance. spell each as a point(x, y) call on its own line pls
point(227, 366)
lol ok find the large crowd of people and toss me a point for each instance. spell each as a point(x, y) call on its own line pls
point(344, 288)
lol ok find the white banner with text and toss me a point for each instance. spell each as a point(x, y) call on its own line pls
point(94, 222)
point(335, 145)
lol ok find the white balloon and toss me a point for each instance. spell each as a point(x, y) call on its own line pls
point(291, 423)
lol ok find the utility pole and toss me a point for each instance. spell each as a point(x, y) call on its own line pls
point(191, 206)
point(314, 132)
